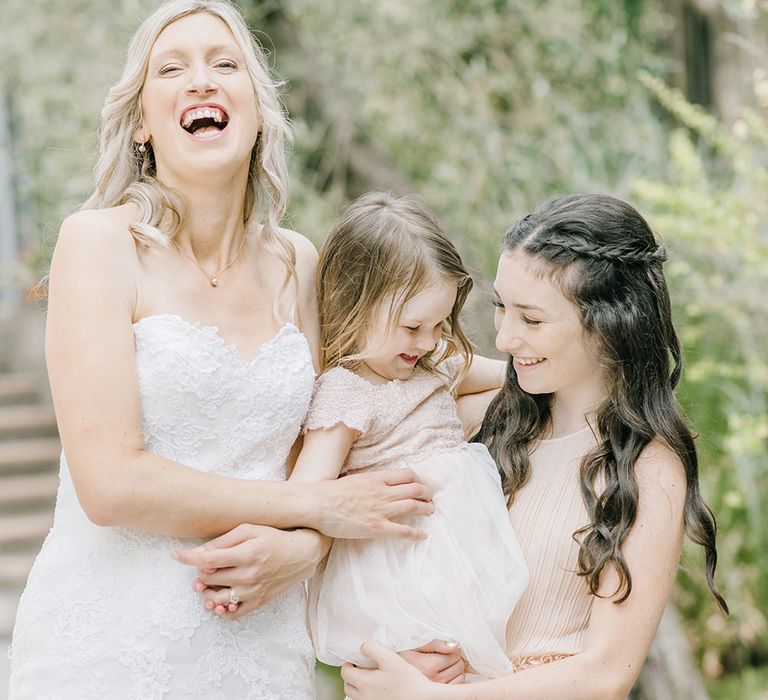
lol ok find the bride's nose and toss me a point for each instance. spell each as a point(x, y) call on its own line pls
point(201, 81)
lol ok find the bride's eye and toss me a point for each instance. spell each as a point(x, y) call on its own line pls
point(226, 65)
point(169, 70)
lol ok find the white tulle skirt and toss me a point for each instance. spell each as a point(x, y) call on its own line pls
point(460, 583)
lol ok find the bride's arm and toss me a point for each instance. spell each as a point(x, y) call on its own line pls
point(258, 562)
point(91, 364)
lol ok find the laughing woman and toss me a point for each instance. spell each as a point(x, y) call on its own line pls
point(181, 374)
point(597, 462)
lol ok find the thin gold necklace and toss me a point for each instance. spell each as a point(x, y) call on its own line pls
point(213, 279)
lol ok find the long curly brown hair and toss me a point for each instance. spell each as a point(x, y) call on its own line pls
point(604, 257)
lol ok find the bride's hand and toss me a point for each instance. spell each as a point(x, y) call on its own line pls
point(394, 678)
point(256, 563)
point(372, 504)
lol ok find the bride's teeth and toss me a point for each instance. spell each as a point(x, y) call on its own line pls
point(215, 114)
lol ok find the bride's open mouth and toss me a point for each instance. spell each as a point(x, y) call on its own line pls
point(204, 121)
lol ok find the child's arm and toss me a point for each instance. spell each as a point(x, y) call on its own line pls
point(324, 452)
point(484, 374)
point(476, 391)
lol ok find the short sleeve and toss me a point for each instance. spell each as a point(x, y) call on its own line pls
point(451, 366)
point(340, 396)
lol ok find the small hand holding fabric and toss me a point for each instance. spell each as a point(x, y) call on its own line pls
point(251, 564)
point(394, 678)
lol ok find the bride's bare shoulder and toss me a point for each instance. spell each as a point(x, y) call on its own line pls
point(101, 235)
point(306, 253)
point(91, 225)
point(97, 243)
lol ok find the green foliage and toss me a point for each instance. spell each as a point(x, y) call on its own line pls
point(713, 216)
point(751, 685)
point(57, 60)
point(484, 107)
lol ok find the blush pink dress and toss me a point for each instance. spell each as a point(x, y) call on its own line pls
point(463, 581)
point(552, 617)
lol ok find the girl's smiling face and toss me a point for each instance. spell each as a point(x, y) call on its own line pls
point(419, 328)
point(542, 330)
point(198, 101)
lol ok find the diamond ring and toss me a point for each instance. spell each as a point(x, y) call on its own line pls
point(234, 599)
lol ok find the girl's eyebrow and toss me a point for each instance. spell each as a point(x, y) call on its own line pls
point(528, 307)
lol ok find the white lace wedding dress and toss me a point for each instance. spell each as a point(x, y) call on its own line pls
point(107, 612)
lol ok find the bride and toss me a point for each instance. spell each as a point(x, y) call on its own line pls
point(180, 341)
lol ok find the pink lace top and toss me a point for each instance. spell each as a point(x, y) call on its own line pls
point(399, 422)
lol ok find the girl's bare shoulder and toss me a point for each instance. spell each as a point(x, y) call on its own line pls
point(661, 474)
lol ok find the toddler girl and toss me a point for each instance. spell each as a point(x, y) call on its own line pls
point(391, 288)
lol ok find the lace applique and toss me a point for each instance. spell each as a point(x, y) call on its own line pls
point(107, 612)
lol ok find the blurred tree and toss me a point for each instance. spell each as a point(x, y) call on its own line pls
point(718, 44)
point(714, 221)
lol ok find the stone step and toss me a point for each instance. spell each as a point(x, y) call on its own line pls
point(30, 455)
point(14, 569)
point(26, 420)
point(18, 388)
point(28, 491)
point(21, 532)
point(9, 601)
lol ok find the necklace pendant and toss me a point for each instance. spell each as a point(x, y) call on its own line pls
point(214, 281)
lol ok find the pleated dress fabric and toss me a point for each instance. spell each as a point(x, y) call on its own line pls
point(553, 613)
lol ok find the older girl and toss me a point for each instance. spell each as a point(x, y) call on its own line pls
point(597, 461)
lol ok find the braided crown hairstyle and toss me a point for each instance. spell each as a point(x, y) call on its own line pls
point(605, 259)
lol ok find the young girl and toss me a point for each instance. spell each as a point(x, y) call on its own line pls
point(596, 459)
point(391, 290)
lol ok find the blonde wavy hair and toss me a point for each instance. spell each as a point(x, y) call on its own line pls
point(126, 174)
point(384, 250)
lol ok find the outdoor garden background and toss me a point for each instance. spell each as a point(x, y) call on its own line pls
point(485, 107)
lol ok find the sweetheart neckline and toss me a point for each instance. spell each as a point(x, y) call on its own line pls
point(213, 331)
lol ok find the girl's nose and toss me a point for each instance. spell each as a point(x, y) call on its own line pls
point(507, 340)
point(426, 342)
